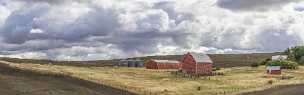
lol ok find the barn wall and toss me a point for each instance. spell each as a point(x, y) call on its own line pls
point(155, 65)
point(168, 66)
point(204, 68)
point(151, 65)
point(188, 59)
point(189, 66)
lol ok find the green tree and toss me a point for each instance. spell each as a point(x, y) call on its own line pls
point(295, 54)
point(283, 64)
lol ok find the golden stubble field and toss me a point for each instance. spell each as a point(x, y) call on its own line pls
point(143, 81)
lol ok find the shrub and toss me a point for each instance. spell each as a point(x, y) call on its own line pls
point(270, 82)
point(264, 62)
point(216, 69)
point(199, 88)
point(283, 64)
point(286, 77)
point(296, 54)
point(255, 64)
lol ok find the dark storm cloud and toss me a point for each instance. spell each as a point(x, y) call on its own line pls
point(103, 29)
point(145, 42)
point(259, 5)
point(98, 22)
point(269, 38)
point(51, 1)
point(18, 31)
point(19, 25)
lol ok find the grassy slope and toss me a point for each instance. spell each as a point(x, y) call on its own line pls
point(143, 81)
point(237, 60)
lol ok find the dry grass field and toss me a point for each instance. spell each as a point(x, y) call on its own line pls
point(143, 81)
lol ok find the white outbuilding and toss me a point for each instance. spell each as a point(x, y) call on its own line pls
point(279, 57)
point(274, 70)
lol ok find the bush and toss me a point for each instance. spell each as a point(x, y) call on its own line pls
point(270, 82)
point(264, 62)
point(286, 77)
point(284, 64)
point(255, 64)
point(261, 62)
point(296, 54)
point(216, 69)
point(199, 88)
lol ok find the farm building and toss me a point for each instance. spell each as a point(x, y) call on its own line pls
point(162, 64)
point(279, 57)
point(274, 70)
point(195, 63)
point(131, 63)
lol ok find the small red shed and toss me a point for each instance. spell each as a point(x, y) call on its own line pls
point(274, 70)
point(195, 63)
point(162, 64)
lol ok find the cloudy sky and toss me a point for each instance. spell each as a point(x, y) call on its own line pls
point(106, 29)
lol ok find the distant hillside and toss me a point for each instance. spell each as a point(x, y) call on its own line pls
point(234, 60)
point(220, 60)
point(97, 63)
point(223, 60)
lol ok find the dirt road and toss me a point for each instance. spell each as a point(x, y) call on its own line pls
point(282, 90)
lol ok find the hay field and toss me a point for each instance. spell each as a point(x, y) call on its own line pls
point(143, 81)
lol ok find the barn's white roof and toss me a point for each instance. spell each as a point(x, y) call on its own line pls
point(201, 58)
point(166, 61)
point(279, 57)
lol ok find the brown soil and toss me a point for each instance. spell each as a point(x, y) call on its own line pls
point(22, 83)
point(281, 90)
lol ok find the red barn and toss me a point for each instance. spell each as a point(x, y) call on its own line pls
point(195, 63)
point(162, 64)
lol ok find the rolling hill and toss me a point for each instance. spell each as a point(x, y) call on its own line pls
point(220, 60)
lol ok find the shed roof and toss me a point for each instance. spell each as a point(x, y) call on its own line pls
point(201, 58)
point(166, 61)
point(273, 67)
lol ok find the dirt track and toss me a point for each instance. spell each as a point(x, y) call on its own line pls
point(282, 90)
